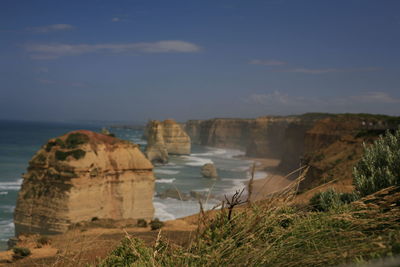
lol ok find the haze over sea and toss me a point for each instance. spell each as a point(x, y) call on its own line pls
point(20, 140)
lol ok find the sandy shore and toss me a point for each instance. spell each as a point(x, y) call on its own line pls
point(272, 183)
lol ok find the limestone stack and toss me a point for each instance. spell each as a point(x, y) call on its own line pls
point(156, 150)
point(80, 176)
point(166, 138)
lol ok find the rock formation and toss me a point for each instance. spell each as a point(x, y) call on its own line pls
point(330, 144)
point(80, 176)
point(156, 150)
point(164, 138)
point(209, 171)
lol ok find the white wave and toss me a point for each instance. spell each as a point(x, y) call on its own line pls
point(165, 181)
point(8, 208)
point(237, 184)
point(170, 209)
point(3, 193)
point(202, 190)
point(196, 161)
point(15, 185)
point(164, 171)
point(161, 213)
point(260, 175)
point(242, 168)
point(6, 229)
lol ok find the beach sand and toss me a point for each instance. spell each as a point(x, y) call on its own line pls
point(274, 181)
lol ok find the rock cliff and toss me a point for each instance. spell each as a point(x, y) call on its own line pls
point(80, 176)
point(164, 138)
point(330, 144)
point(260, 137)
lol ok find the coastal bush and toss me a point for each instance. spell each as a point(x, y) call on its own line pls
point(21, 252)
point(280, 236)
point(77, 154)
point(324, 201)
point(75, 139)
point(141, 223)
point(51, 144)
point(130, 252)
point(379, 167)
point(156, 224)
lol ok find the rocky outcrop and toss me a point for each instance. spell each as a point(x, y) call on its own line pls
point(165, 138)
point(209, 171)
point(80, 176)
point(156, 150)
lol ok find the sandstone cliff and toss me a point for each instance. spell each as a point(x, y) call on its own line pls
point(164, 138)
point(330, 144)
point(80, 176)
point(260, 137)
point(335, 144)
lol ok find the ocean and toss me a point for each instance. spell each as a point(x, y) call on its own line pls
point(19, 141)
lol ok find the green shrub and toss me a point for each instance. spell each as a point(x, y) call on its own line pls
point(75, 139)
point(324, 201)
point(21, 252)
point(380, 165)
point(130, 252)
point(141, 223)
point(156, 224)
point(77, 154)
point(51, 144)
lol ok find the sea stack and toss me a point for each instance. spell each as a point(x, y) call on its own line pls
point(80, 176)
point(209, 171)
point(166, 138)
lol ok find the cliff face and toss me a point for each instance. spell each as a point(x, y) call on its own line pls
point(156, 150)
point(334, 145)
point(80, 176)
point(261, 137)
point(165, 138)
point(330, 144)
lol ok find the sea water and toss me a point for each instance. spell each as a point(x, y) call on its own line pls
point(19, 141)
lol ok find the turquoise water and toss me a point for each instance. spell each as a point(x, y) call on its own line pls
point(20, 140)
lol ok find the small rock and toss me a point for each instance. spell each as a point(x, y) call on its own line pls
point(209, 171)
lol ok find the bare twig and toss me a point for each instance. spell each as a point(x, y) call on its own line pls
point(234, 201)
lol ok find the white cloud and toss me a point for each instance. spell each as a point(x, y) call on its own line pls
point(51, 28)
point(329, 70)
point(281, 103)
point(45, 81)
point(62, 83)
point(271, 62)
point(115, 19)
point(376, 97)
point(52, 51)
point(42, 70)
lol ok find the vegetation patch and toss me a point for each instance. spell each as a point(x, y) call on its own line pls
point(141, 223)
point(51, 144)
point(75, 139)
point(330, 199)
point(21, 252)
point(63, 155)
point(379, 167)
point(156, 224)
point(264, 235)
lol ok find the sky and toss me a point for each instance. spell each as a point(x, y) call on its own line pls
point(144, 59)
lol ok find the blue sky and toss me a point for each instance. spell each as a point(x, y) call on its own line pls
point(139, 60)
